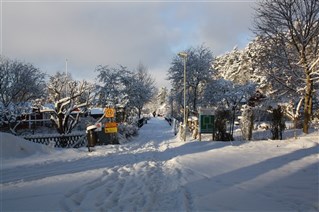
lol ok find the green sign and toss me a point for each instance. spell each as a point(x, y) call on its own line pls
point(206, 123)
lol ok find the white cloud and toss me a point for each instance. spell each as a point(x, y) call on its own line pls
point(89, 34)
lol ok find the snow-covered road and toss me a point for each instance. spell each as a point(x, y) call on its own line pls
point(137, 178)
point(155, 171)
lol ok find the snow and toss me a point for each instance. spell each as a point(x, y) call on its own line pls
point(156, 171)
point(15, 147)
point(97, 111)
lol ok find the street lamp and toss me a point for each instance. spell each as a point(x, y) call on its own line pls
point(184, 56)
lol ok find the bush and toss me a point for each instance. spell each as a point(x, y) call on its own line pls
point(278, 123)
point(221, 117)
point(127, 130)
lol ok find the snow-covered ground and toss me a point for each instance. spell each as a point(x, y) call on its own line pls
point(156, 171)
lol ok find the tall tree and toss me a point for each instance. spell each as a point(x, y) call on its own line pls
point(19, 83)
point(162, 96)
point(291, 28)
point(112, 85)
point(144, 88)
point(59, 86)
point(231, 66)
point(198, 72)
point(119, 86)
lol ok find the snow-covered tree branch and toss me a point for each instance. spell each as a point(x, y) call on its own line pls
point(70, 99)
point(290, 29)
point(19, 84)
point(198, 73)
point(119, 87)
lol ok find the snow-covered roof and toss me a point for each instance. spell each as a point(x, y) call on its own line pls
point(24, 107)
point(96, 111)
point(48, 106)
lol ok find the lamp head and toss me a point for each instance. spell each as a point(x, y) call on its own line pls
point(182, 54)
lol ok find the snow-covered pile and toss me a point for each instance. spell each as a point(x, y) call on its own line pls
point(13, 147)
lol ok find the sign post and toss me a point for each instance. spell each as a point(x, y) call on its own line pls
point(206, 122)
point(107, 127)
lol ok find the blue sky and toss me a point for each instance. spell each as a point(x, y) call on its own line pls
point(92, 33)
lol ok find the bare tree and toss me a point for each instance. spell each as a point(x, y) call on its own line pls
point(70, 99)
point(20, 83)
point(129, 89)
point(60, 86)
point(291, 28)
point(112, 85)
point(144, 88)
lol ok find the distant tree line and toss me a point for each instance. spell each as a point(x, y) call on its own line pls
point(120, 87)
point(23, 87)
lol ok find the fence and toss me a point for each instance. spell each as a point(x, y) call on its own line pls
point(63, 141)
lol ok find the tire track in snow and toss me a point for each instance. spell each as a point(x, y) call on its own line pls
point(145, 186)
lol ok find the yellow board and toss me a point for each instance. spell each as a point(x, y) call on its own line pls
point(110, 124)
point(111, 130)
point(109, 112)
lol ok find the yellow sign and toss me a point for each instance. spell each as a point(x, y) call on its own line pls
point(111, 130)
point(110, 124)
point(110, 127)
point(109, 112)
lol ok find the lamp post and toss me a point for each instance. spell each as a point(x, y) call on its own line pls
point(184, 56)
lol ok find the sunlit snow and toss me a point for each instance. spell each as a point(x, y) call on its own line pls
point(156, 171)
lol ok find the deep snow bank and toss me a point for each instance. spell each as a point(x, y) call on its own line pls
point(15, 147)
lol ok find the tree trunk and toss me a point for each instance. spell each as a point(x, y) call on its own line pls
point(195, 99)
point(308, 91)
point(232, 124)
point(139, 112)
point(60, 123)
point(247, 123)
point(308, 102)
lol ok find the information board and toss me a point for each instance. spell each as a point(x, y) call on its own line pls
point(206, 123)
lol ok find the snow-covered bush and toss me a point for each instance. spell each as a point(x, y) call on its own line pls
point(84, 122)
point(222, 116)
point(127, 130)
point(13, 115)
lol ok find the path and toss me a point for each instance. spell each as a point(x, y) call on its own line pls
point(148, 181)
